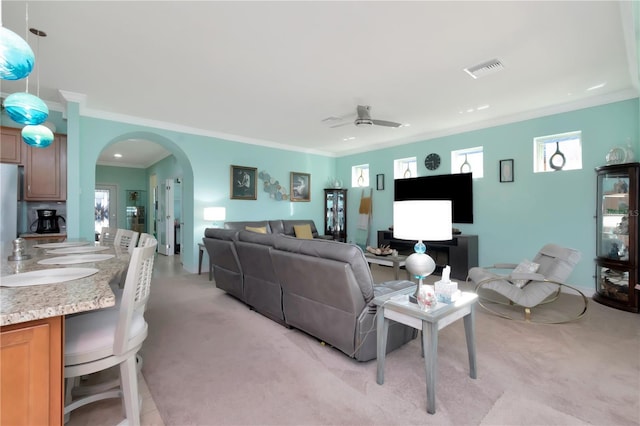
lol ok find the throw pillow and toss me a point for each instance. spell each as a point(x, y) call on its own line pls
point(525, 266)
point(303, 231)
point(260, 230)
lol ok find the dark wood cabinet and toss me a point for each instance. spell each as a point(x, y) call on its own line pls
point(45, 171)
point(335, 213)
point(460, 253)
point(617, 256)
point(11, 145)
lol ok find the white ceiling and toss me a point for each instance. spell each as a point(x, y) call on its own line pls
point(270, 72)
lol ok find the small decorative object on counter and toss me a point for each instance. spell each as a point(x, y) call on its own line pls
point(19, 250)
point(427, 297)
point(446, 290)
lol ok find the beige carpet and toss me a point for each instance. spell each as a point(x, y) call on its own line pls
point(209, 360)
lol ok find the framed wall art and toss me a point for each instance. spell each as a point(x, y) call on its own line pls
point(300, 186)
point(506, 170)
point(380, 182)
point(243, 183)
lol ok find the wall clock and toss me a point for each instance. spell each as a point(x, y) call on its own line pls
point(432, 161)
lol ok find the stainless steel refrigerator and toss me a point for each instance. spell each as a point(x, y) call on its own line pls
point(8, 207)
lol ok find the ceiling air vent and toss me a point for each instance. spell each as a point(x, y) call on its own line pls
point(484, 68)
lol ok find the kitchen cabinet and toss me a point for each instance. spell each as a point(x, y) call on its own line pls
point(31, 368)
point(45, 171)
point(617, 256)
point(11, 145)
point(335, 213)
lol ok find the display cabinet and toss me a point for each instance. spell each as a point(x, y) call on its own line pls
point(335, 213)
point(617, 236)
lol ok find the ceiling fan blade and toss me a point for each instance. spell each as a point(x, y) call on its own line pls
point(386, 123)
point(347, 123)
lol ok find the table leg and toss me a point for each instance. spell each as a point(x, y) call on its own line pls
point(383, 328)
point(396, 269)
point(200, 253)
point(470, 333)
point(430, 348)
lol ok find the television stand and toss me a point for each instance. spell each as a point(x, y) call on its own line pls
point(460, 252)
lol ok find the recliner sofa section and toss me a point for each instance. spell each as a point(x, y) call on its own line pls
point(224, 259)
point(262, 289)
point(327, 291)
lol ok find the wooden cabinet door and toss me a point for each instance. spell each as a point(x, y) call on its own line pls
point(31, 373)
point(46, 171)
point(10, 146)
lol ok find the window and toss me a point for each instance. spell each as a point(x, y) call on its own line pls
point(360, 175)
point(405, 168)
point(557, 152)
point(469, 160)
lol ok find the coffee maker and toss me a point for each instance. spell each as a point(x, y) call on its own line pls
point(47, 222)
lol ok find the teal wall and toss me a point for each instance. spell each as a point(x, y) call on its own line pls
point(203, 163)
point(513, 220)
point(125, 178)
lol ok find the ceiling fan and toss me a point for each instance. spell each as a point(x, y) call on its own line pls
point(363, 118)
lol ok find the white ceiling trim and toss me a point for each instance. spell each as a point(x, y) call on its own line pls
point(105, 115)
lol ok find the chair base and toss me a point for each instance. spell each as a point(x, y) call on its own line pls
point(105, 390)
point(499, 305)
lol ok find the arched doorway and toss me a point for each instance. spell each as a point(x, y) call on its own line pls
point(162, 160)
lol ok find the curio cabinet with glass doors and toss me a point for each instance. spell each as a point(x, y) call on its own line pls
point(617, 236)
point(335, 213)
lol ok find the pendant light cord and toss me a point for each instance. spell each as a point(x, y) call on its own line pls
point(26, 31)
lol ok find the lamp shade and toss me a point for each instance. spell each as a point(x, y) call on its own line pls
point(215, 214)
point(16, 56)
point(37, 136)
point(423, 220)
point(25, 108)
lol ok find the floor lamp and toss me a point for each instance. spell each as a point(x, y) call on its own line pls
point(422, 220)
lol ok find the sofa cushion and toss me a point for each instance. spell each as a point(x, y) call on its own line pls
point(303, 231)
point(526, 266)
point(288, 227)
point(256, 229)
point(240, 225)
point(276, 227)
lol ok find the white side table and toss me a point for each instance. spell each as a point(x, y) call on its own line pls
point(395, 261)
point(396, 307)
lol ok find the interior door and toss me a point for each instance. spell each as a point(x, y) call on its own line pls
point(165, 218)
point(106, 207)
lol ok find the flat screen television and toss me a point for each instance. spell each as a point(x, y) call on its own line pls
point(457, 187)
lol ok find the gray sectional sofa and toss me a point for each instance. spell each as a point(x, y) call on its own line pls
point(321, 287)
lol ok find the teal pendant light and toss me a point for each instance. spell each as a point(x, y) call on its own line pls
point(16, 56)
point(25, 108)
point(37, 136)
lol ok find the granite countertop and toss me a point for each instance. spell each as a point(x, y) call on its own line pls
point(21, 304)
point(34, 235)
